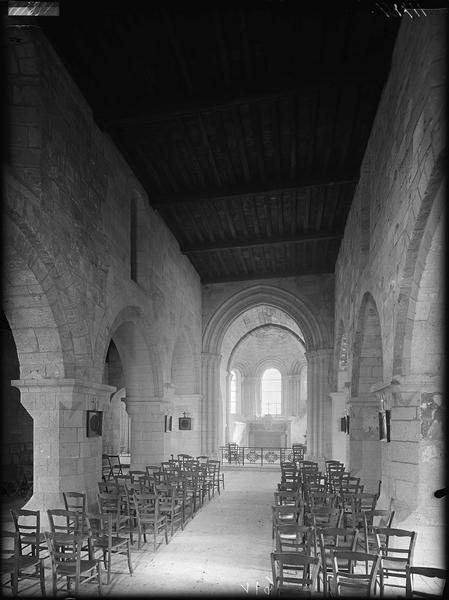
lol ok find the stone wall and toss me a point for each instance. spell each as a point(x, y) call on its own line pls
point(69, 291)
point(398, 260)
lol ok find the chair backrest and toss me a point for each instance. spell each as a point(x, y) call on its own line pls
point(75, 501)
point(379, 518)
point(67, 521)
point(135, 475)
point(335, 538)
point(146, 505)
point(351, 581)
point(325, 517)
point(433, 589)
point(396, 544)
point(294, 538)
point(27, 524)
point(293, 571)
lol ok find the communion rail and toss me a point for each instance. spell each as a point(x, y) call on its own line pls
point(260, 455)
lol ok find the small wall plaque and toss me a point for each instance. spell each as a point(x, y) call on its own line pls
point(185, 423)
point(94, 423)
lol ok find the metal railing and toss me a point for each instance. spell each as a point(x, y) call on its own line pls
point(260, 455)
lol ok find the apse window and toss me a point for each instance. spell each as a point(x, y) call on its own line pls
point(233, 403)
point(271, 392)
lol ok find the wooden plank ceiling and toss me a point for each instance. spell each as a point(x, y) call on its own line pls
point(245, 122)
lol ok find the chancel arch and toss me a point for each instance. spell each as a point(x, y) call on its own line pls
point(252, 313)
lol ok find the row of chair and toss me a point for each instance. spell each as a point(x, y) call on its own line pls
point(130, 505)
point(335, 540)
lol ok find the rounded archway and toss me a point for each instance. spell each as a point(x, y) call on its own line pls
point(254, 309)
point(367, 371)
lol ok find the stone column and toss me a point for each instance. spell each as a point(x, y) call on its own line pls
point(249, 399)
point(227, 406)
point(211, 397)
point(64, 458)
point(147, 430)
point(417, 465)
point(291, 390)
point(318, 408)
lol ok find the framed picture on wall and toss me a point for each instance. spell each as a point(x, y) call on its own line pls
point(387, 421)
point(185, 423)
point(94, 423)
point(382, 425)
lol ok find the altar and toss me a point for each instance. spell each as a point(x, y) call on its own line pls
point(269, 432)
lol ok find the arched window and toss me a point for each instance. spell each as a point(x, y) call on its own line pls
point(271, 392)
point(233, 403)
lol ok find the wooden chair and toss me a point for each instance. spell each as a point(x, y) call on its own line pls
point(294, 573)
point(75, 501)
point(149, 517)
point(294, 538)
point(356, 579)
point(105, 538)
point(324, 517)
point(64, 524)
point(219, 475)
point(233, 453)
point(372, 519)
point(170, 505)
point(27, 525)
point(17, 566)
point(334, 538)
point(428, 575)
point(283, 514)
point(396, 548)
point(66, 563)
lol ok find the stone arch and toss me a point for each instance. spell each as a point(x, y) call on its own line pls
point(184, 370)
point(427, 222)
point(364, 444)
point(259, 295)
point(251, 331)
point(297, 313)
point(33, 309)
point(270, 363)
point(367, 366)
point(140, 360)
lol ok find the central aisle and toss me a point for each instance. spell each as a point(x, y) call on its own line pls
point(224, 549)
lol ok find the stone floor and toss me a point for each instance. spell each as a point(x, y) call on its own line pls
point(224, 550)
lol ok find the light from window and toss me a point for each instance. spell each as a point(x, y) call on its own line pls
point(271, 392)
point(233, 404)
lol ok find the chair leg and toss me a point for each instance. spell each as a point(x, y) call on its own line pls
point(99, 578)
point(42, 578)
point(108, 580)
point(131, 571)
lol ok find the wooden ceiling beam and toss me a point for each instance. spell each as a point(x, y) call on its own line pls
point(204, 102)
point(266, 275)
point(237, 244)
point(267, 189)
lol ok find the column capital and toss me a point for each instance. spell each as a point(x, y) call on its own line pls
point(60, 393)
point(319, 353)
point(40, 385)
